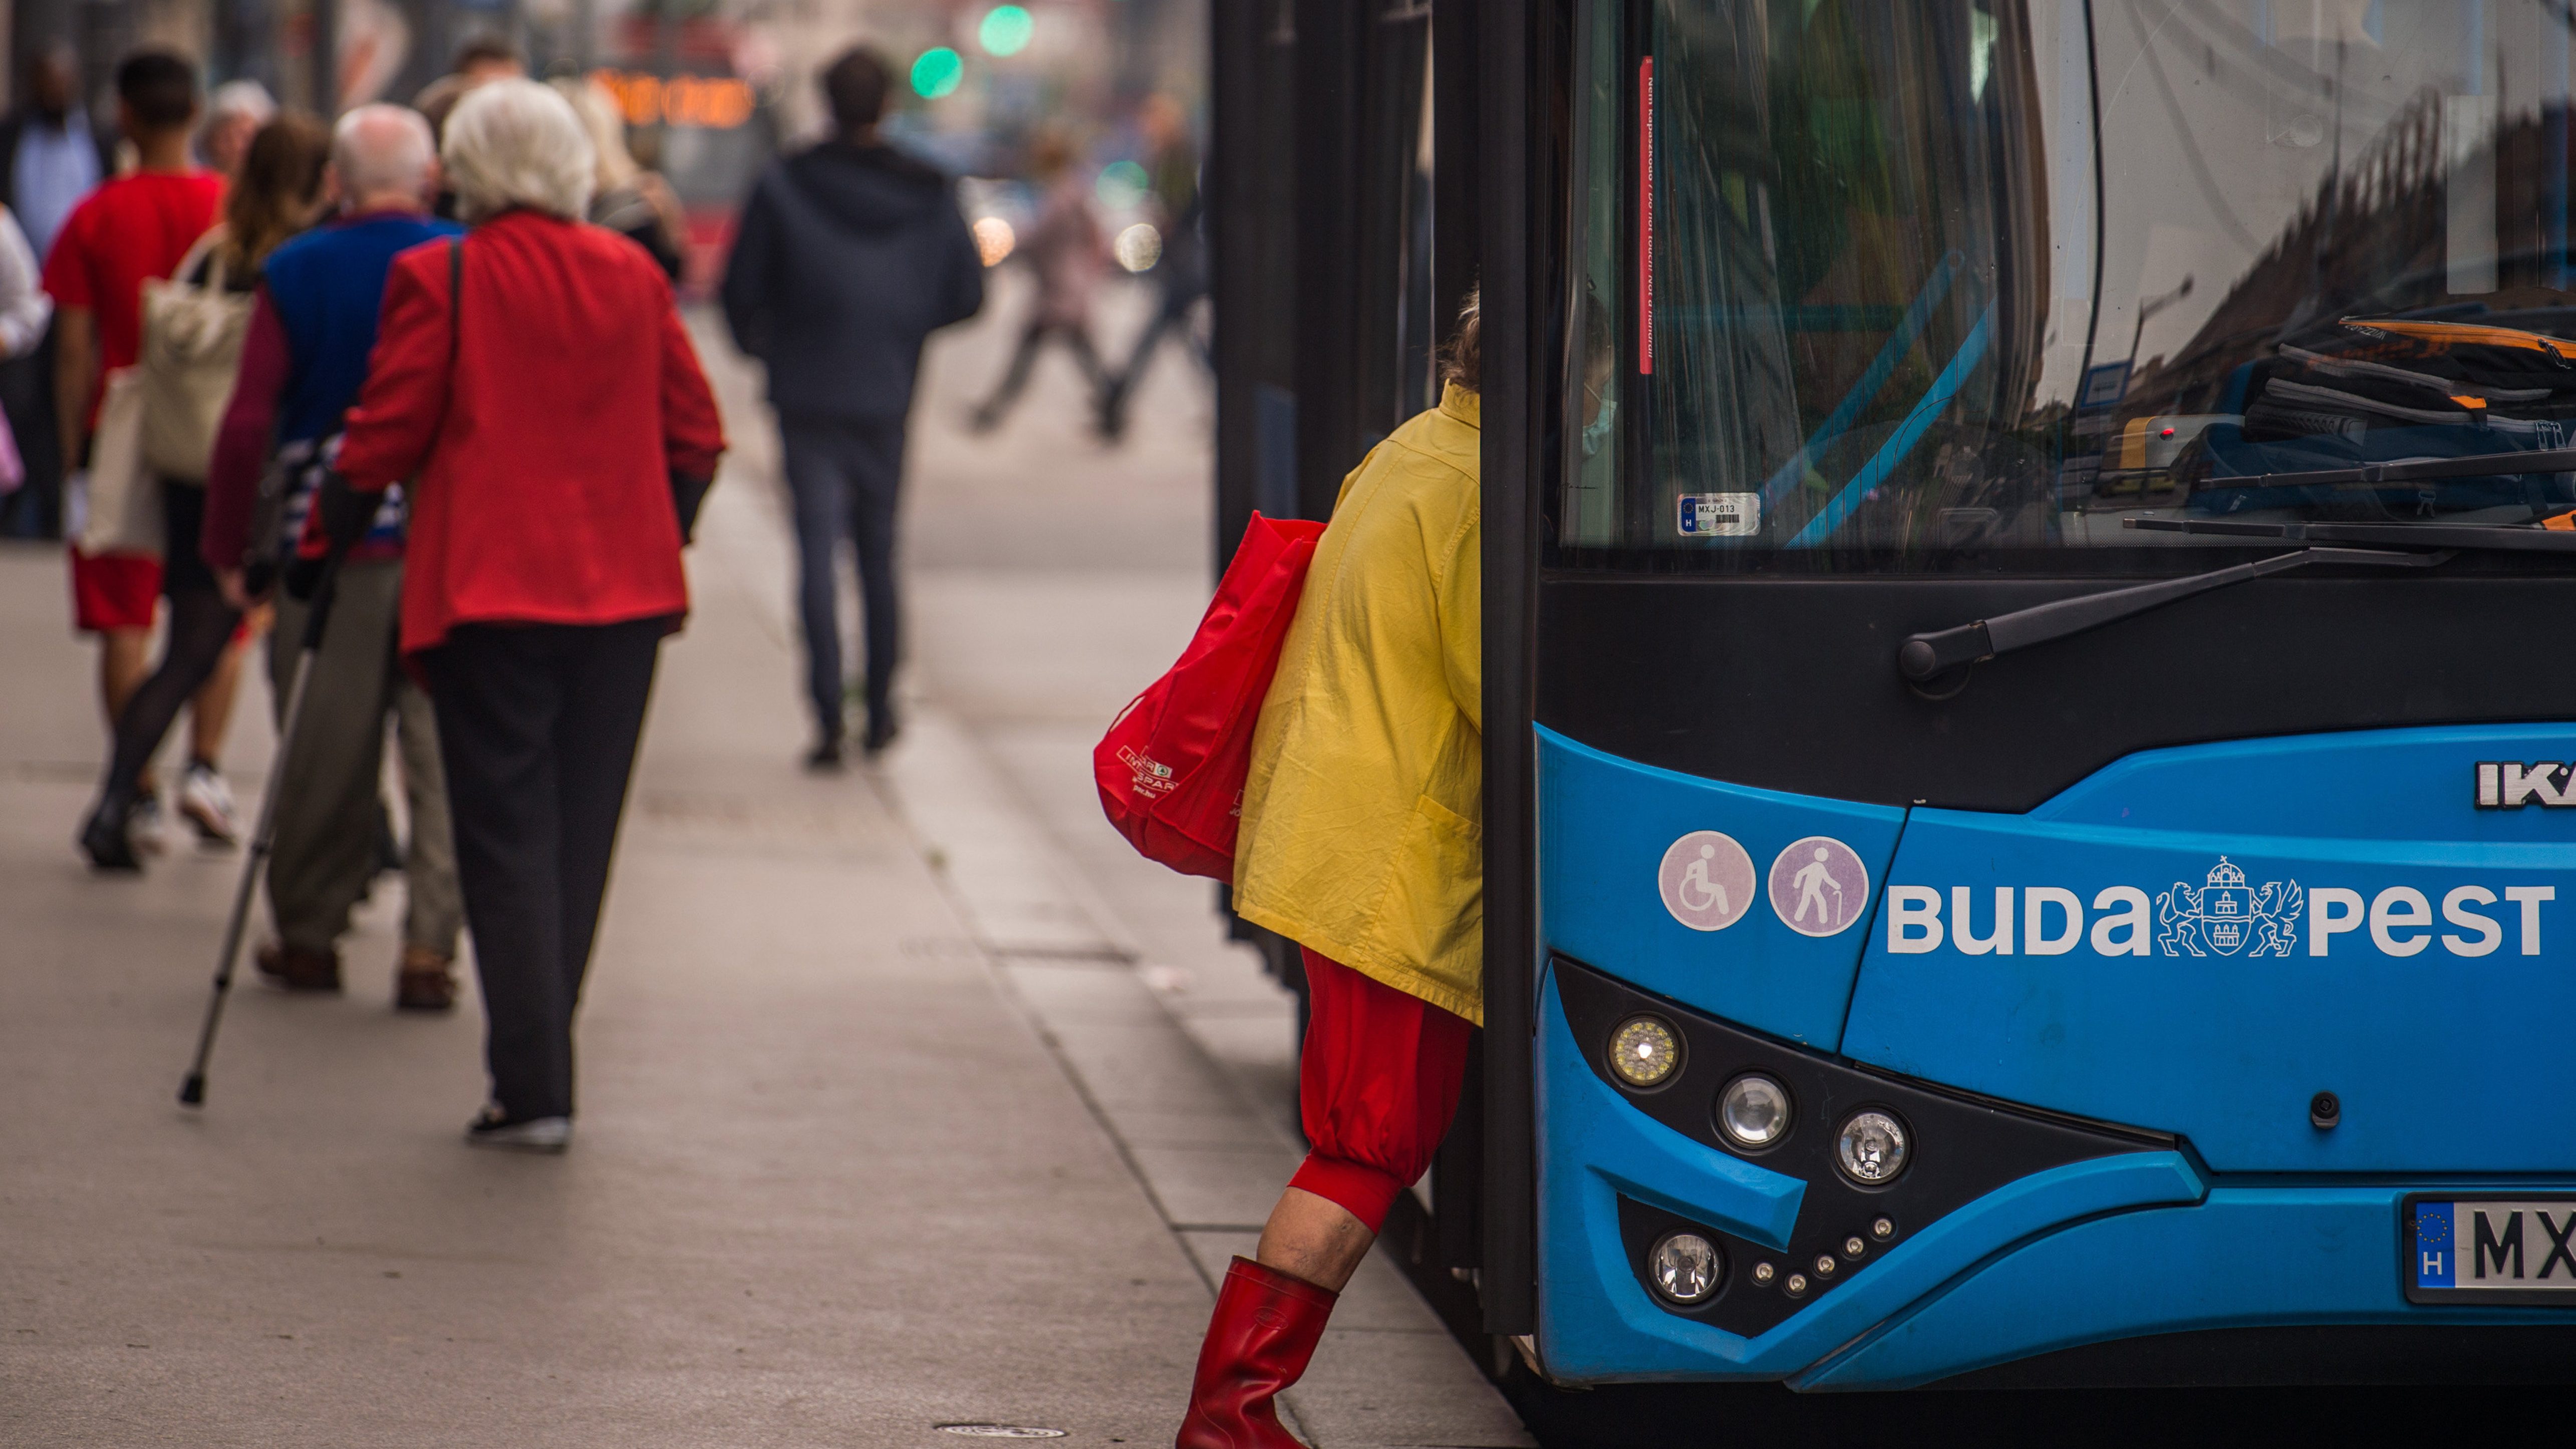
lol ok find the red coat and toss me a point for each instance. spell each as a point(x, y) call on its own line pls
point(546, 495)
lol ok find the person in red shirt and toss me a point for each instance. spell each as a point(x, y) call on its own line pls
point(131, 230)
point(534, 390)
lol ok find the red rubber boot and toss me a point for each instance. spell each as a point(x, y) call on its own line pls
point(1265, 1329)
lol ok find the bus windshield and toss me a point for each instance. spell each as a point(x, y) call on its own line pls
point(1890, 285)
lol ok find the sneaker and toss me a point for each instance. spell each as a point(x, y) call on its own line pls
point(825, 757)
point(533, 1134)
point(147, 827)
point(208, 803)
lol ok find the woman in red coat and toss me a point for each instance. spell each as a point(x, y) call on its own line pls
point(534, 389)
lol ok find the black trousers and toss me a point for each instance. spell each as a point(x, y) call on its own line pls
point(537, 725)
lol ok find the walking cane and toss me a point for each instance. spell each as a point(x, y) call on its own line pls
point(192, 1092)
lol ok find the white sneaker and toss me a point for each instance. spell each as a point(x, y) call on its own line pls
point(537, 1134)
point(149, 827)
point(208, 803)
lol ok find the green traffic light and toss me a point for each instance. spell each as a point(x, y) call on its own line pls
point(1005, 30)
point(937, 72)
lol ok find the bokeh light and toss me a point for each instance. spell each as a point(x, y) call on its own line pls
point(937, 72)
point(1005, 30)
point(1138, 247)
point(994, 240)
point(1121, 185)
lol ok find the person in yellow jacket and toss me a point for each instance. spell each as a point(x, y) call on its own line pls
point(1361, 841)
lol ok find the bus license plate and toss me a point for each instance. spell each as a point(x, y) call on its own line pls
point(2490, 1250)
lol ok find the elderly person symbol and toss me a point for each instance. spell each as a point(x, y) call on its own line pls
point(533, 387)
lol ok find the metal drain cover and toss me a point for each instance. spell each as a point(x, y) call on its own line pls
point(1001, 1431)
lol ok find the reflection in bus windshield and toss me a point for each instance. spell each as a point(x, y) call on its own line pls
point(1928, 277)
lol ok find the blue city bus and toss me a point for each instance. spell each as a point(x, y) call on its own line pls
point(2031, 791)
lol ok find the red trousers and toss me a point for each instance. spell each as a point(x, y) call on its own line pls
point(1377, 1086)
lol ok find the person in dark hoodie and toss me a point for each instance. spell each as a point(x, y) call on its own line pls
point(848, 256)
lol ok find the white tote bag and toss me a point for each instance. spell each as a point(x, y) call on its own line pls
point(192, 347)
point(124, 496)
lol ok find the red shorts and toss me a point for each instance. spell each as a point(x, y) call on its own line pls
point(1377, 1086)
point(114, 591)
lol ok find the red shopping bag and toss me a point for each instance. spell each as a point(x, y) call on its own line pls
point(1171, 768)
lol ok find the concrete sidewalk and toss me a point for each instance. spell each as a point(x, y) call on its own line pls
point(899, 1107)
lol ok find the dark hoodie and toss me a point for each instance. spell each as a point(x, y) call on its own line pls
point(848, 257)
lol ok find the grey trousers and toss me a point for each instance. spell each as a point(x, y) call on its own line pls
point(327, 808)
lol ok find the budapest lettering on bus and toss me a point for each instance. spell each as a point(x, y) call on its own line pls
point(2227, 915)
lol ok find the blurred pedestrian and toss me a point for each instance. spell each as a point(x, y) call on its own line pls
point(49, 160)
point(536, 384)
point(631, 201)
point(277, 196)
point(482, 59)
point(234, 113)
point(1360, 842)
point(25, 313)
point(850, 253)
point(1068, 255)
point(1180, 272)
point(302, 365)
point(132, 229)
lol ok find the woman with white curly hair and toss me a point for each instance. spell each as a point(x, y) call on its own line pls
point(534, 389)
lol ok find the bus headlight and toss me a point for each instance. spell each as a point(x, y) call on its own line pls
point(1753, 1111)
point(1871, 1148)
point(1645, 1051)
point(1685, 1268)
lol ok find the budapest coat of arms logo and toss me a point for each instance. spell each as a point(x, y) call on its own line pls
point(2227, 917)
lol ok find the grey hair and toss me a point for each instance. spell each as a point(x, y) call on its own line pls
point(517, 143)
point(380, 148)
point(246, 98)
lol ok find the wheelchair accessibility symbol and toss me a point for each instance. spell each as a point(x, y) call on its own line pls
point(1707, 881)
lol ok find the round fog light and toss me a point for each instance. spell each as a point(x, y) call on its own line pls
point(1685, 1268)
point(1644, 1051)
point(1872, 1148)
point(1753, 1111)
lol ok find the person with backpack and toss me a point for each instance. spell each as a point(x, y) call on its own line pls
point(302, 365)
point(849, 255)
point(1361, 841)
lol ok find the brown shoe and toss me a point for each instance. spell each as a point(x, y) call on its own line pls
point(295, 968)
point(426, 982)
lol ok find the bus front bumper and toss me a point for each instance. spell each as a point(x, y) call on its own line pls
point(2131, 1246)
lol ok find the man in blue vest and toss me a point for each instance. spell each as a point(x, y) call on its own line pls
point(302, 366)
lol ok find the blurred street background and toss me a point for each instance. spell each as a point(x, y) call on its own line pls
point(913, 1097)
point(915, 1104)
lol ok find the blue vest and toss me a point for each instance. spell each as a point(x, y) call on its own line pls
point(328, 290)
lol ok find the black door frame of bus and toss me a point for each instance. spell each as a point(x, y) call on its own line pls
point(1519, 138)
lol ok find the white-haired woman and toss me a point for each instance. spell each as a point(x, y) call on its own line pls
point(533, 386)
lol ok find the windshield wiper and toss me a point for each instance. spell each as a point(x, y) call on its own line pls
point(1926, 657)
point(2515, 538)
point(2417, 470)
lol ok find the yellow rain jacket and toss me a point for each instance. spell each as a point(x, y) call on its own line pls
point(1363, 814)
